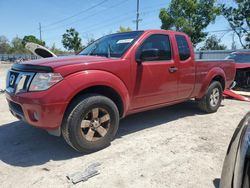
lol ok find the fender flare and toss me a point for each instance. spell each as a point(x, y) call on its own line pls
point(214, 72)
point(82, 80)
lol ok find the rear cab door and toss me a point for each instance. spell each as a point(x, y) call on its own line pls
point(185, 59)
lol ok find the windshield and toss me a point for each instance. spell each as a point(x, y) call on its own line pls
point(114, 45)
point(239, 58)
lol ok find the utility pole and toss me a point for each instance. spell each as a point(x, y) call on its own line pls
point(40, 31)
point(233, 42)
point(137, 15)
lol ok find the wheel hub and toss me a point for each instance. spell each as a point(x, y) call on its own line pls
point(214, 97)
point(95, 123)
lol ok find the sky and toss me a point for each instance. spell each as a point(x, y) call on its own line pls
point(91, 18)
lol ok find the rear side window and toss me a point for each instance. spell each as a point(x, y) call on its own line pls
point(184, 51)
point(160, 42)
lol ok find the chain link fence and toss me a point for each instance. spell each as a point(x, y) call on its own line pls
point(16, 57)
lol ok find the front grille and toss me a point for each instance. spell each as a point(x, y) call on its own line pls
point(18, 82)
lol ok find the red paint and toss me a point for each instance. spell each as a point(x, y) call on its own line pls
point(242, 65)
point(230, 93)
point(141, 87)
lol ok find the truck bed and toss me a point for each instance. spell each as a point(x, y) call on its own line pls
point(204, 67)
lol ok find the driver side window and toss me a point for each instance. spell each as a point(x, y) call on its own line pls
point(161, 43)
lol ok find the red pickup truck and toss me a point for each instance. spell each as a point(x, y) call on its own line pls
point(84, 96)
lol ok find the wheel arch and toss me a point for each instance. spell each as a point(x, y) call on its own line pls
point(104, 90)
point(220, 79)
point(99, 82)
point(215, 74)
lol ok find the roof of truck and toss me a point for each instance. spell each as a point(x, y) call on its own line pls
point(157, 30)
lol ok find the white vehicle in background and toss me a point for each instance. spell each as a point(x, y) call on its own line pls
point(39, 50)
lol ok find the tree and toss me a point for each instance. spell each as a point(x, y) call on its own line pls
point(56, 50)
point(213, 43)
point(4, 45)
point(32, 38)
point(189, 16)
point(71, 40)
point(124, 29)
point(239, 20)
point(17, 46)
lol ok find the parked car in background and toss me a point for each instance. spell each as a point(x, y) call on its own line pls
point(242, 65)
point(236, 168)
point(84, 96)
point(242, 77)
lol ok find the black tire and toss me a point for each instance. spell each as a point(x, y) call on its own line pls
point(77, 111)
point(205, 104)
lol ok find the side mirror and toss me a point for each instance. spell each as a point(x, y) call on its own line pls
point(148, 55)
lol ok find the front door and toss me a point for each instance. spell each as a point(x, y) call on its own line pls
point(156, 80)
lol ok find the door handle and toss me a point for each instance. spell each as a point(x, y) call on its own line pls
point(172, 69)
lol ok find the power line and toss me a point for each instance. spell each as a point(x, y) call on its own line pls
point(79, 20)
point(114, 21)
point(77, 14)
point(109, 23)
point(107, 8)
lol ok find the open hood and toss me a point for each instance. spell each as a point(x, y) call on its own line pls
point(39, 50)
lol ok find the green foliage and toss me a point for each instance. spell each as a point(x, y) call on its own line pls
point(17, 46)
point(4, 45)
point(189, 16)
point(32, 38)
point(124, 29)
point(239, 20)
point(71, 40)
point(213, 43)
point(56, 50)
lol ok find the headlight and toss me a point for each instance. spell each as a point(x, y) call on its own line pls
point(43, 81)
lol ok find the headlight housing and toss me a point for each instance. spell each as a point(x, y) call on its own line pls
point(43, 81)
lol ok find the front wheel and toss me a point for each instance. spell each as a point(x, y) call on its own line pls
point(91, 124)
point(211, 101)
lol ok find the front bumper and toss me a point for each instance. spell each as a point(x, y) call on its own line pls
point(35, 109)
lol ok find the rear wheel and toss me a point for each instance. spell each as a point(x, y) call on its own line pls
point(92, 124)
point(211, 101)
